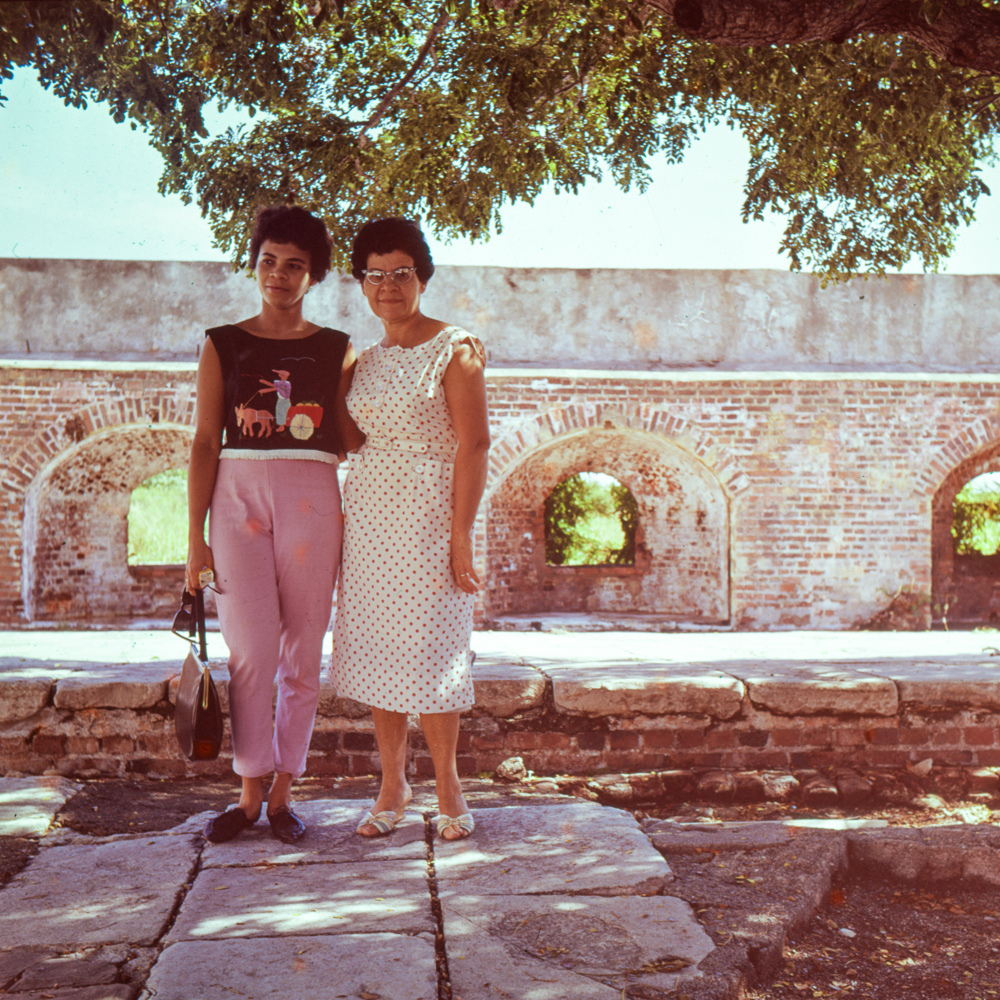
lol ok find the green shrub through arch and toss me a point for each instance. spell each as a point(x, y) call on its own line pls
point(590, 520)
point(157, 520)
point(976, 523)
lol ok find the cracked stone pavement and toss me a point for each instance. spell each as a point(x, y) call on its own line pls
point(558, 901)
point(543, 901)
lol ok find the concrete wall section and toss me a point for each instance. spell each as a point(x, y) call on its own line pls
point(613, 319)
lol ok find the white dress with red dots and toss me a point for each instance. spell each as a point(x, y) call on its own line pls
point(401, 638)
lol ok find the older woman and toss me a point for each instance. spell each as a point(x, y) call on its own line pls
point(270, 423)
point(407, 588)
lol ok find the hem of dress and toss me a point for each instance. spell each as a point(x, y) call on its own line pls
point(254, 455)
point(409, 711)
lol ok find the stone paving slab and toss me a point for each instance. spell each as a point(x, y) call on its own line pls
point(278, 900)
point(751, 835)
point(587, 945)
point(578, 848)
point(349, 966)
point(631, 687)
point(23, 693)
point(506, 686)
point(827, 689)
point(54, 973)
point(694, 838)
point(935, 685)
point(108, 991)
point(931, 854)
point(81, 895)
point(331, 838)
point(128, 685)
point(28, 805)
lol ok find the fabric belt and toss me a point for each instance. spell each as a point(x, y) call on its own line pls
point(417, 447)
point(396, 444)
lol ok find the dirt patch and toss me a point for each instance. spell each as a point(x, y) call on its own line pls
point(15, 853)
point(908, 942)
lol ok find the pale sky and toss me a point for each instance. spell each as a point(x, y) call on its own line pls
point(73, 184)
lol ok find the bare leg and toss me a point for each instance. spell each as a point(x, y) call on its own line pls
point(280, 793)
point(390, 734)
point(251, 797)
point(441, 733)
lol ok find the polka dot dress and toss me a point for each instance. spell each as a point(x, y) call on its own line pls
point(401, 638)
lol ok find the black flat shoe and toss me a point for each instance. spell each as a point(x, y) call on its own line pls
point(229, 824)
point(285, 825)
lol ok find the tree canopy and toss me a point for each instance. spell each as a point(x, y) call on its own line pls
point(867, 120)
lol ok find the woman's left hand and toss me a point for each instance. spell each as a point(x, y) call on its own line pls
point(464, 575)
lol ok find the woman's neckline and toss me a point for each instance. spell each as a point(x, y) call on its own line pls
point(257, 336)
point(416, 347)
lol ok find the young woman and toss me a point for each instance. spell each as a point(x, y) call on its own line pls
point(270, 424)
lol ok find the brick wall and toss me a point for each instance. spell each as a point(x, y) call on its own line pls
point(831, 490)
point(122, 741)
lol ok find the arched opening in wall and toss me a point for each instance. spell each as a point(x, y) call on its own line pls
point(75, 539)
point(965, 538)
point(590, 520)
point(678, 569)
point(157, 520)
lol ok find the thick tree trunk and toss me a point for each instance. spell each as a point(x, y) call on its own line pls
point(963, 34)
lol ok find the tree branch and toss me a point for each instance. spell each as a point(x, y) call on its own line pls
point(965, 35)
point(394, 92)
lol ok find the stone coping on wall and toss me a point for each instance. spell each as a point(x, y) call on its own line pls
point(565, 703)
point(806, 372)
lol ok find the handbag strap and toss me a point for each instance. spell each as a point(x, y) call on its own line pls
point(199, 622)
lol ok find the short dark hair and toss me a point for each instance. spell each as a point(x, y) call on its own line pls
point(292, 224)
point(386, 235)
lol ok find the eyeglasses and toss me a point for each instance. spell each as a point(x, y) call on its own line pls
point(399, 277)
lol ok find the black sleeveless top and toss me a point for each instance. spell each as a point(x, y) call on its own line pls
point(280, 394)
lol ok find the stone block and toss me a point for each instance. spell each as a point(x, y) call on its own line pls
point(553, 947)
point(64, 972)
point(503, 688)
point(28, 805)
point(119, 892)
point(332, 707)
point(22, 696)
point(130, 686)
point(579, 848)
point(107, 991)
point(633, 687)
point(931, 854)
point(672, 837)
point(369, 898)
point(790, 689)
point(949, 682)
point(387, 966)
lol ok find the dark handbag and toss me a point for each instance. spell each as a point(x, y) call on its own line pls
point(198, 713)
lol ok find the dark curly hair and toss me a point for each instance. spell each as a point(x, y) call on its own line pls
point(384, 236)
point(292, 224)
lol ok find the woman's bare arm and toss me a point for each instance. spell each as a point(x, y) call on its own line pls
point(465, 392)
point(350, 436)
point(210, 402)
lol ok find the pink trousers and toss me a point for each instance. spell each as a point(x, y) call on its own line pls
point(275, 529)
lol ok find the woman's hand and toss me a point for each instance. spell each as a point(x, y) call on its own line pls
point(199, 559)
point(464, 575)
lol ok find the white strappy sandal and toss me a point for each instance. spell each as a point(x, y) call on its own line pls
point(465, 824)
point(385, 822)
